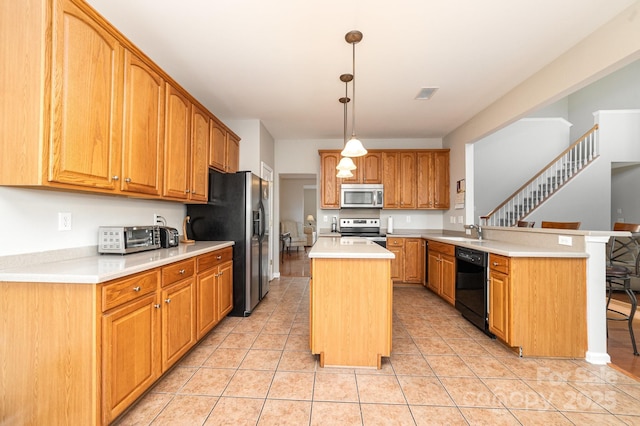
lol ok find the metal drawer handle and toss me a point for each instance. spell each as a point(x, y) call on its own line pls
point(157, 306)
point(116, 177)
point(181, 271)
point(218, 257)
point(167, 301)
point(136, 288)
point(127, 180)
point(495, 263)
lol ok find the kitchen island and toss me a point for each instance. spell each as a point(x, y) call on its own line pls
point(351, 296)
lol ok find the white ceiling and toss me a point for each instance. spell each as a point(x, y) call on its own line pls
point(279, 61)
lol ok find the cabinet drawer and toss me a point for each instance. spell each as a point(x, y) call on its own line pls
point(123, 291)
point(395, 242)
point(499, 263)
point(209, 260)
point(449, 249)
point(177, 271)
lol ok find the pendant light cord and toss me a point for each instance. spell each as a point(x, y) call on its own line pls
point(353, 91)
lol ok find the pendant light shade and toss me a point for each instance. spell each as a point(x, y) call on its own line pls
point(346, 163)
point(353, 147)
point(344, 174)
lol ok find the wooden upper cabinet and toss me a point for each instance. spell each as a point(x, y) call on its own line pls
point(398, 177)
point(390, 180)
point(143, 127)
point(224, 151)
point(199, 155)
point(86, 100)
point(368, 169)
point(433, 179)
point(177, 144)
point(407, 177)
point(329, 182)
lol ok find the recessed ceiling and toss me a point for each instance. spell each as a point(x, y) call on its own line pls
point(280, 61)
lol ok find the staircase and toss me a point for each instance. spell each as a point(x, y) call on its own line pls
point(546, 182)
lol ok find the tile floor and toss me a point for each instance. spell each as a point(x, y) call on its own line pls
point(259, 371)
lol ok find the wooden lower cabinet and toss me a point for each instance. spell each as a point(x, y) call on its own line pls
point(85, 352)
point(442, 270)
point(214, 289)
point(408, 265)
point(538, 305)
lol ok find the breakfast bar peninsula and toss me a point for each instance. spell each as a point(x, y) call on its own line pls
point(351, 296)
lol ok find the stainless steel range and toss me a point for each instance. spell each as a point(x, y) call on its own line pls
point(366, 228)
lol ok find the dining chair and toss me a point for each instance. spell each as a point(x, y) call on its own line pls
point(560, 225)
point(525, 224)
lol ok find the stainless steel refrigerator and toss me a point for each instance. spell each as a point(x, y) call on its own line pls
point(237, 211)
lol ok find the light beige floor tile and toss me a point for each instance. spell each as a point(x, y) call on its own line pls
point(197, 356)
point(214, 338)
point(452, 332)
point(467, 347)
point(470, 392)
point(261, 359)
point(379, 389)
point(565, 370)
point(277, 327)
point(449, 365)
point(405, 364)
point(563, 396)
point(404, 346)
point(383, 415)
point(594, 419)
point(437, 416)
point(250, 384)
point(283, 412)
point(186, 410)
point(335, 387)
point(610, 398)
point(172, 382)
point(420, 390)
point(489, 416)
point(292, 385)
point(238, 340)
point(247, 327)
point(385, 368)
point(541, 418)
point(515, 393)
point(335, 413)
point(208, 381)
point(235, 412)
point(631, 390)
point(270, 341)
point(145, 410)
point(226, 358)
point(488, 367)
point(300, 328)
point(525, 368)
point(433, 346)
point(297, 342)
point(297, 361)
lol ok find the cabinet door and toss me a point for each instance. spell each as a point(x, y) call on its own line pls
point(225, 289)
point(330, 184)
point(177, 144)
point(358, 173)
point(390, 179)
point(397, 263)
point(143, 127)
point(434, 272)
point(441, 180)
point(199, 155)
point(424, 166)
point(86, 101)
point(178, 321)
point(413, 260)
point(372, 167)
point(130, 361)
point(407, 190)
point(218, 148)
point(448, 278)
point(233, 154)
point(207, 309)
point(499, 305)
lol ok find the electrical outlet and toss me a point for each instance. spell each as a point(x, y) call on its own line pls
point(155, 218)
point(565, 240)
point(64, 221)
point(408, 219)
point(325, 218)
point(452, 219)
point(460, 219)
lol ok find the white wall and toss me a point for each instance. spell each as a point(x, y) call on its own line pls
point(625, 193)
point(292, 198)
point(29, 218)
point(508, 158)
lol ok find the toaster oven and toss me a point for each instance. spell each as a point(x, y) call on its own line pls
point(128, 239)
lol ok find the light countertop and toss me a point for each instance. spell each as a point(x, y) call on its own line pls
point(504, 248)
point(348, 248)
point(105, 267)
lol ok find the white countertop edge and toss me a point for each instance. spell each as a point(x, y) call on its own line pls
point(96, 269)
point(344, 255)
point(334, 247)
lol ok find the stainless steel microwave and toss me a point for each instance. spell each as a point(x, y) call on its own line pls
point(361, 196)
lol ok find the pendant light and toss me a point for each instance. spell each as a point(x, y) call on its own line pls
point(346, 163)
point(354, 147)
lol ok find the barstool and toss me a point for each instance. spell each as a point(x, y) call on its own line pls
point(620, 276)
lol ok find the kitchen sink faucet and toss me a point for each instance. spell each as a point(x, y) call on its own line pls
point(478, 229)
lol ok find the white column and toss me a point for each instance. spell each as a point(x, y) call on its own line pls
point(596, 300)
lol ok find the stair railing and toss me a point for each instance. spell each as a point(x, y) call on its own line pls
point(547, 181)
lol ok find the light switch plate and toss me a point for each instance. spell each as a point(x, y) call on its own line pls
point(565, 240)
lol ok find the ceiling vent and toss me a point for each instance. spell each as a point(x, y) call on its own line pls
point(426, 93)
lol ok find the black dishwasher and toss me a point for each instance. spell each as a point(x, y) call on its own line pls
point(471, 287)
